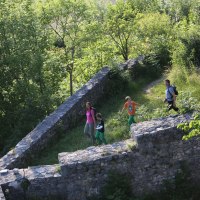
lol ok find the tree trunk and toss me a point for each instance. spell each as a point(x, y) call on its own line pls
point(71, 82)
point(126, 52)
point(71, 72)
point(125, 55)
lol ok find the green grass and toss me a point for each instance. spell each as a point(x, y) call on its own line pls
point(188, 99)
point(70, 141)
point(116, 127)
point(186, 81)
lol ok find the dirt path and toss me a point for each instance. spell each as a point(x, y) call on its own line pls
point(147, 89)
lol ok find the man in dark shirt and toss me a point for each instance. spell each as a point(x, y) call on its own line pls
point(100, 130)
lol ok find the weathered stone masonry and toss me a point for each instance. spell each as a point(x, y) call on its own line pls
point(63, 118)
point(155, 153)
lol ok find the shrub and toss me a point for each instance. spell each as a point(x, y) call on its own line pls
point(192, 128)
point(152, 66)
point(187, 102)
point(117, 81)
point(145, 114)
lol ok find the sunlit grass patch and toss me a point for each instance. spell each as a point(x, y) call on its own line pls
point(116, 124)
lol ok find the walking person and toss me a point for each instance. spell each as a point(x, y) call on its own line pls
point(100, 130)
point(170, 96)
point(90, 125)
point(130, 106)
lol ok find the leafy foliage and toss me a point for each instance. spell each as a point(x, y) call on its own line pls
point(49, 49)
point(67, 19)
point(146, 113)
point(187, 102)
point(192, 128)
point(119, 23)
point(22, 83)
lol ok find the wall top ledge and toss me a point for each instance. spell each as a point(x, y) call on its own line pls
point(158, 128)
point(94, 153)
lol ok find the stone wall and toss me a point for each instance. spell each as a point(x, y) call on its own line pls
point(2, 197)
point(61, 119)
point(155, 153)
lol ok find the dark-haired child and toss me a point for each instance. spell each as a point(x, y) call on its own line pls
point(100, 130)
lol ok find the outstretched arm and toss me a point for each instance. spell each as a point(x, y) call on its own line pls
point(99, 127)
point(137, 104)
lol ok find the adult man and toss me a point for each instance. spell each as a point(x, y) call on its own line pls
point(131, 107)
point(170, 96)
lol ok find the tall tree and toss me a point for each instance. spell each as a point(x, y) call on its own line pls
point(145, 6)
point(119, 26)
point(179, 9)
point(22, 86)
point(67, 20)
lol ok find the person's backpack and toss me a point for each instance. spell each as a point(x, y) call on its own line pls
point(175, 90)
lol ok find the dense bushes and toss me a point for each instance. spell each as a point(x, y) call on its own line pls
point(192, 128)
point(117, 81)
point(151, 67)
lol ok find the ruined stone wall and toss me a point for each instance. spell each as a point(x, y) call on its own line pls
point(2, 197)
point(61, 119)
point(155, 153)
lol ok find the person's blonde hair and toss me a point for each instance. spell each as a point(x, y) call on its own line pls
point(127, 98)
point(99, 115)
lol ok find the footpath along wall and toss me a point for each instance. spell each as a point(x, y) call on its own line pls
point(64, 117)
point(155, 153)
